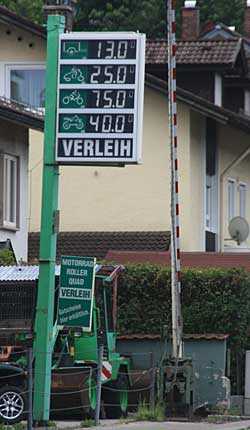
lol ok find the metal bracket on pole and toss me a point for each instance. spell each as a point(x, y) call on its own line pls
point(46, 287)
point(99, 385)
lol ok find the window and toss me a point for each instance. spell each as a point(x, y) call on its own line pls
point(26, 84)
point(242, 199)
point(231, 198)
point(10, 191)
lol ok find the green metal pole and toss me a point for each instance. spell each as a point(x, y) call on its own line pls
point(45, 302)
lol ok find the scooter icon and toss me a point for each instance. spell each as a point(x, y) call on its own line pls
point(75, 96)
point(75, 73)
point(74, 121)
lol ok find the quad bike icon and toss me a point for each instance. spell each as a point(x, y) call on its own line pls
point(75, 73)
point(73, 121)
point(75, 96)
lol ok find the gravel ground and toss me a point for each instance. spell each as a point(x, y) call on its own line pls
point(116, 425)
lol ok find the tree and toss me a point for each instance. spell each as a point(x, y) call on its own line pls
point(148, 16)
point(31, 9)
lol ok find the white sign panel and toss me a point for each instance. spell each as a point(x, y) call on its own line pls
point(100, 98)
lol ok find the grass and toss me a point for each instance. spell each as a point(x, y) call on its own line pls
point(150, 413)
point(87, 423)
point(19, 426)
point(220, 419)
point(50, 424)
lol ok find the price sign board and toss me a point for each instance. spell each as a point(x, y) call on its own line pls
point(76, 292)
point(100, 98)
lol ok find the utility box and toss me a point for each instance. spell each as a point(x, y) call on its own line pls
point(207, 353)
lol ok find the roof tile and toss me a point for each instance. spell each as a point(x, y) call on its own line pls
point(97, 244)
point(203, 52)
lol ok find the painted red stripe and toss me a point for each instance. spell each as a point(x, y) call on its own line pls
point(175, 119)
point(178, 253)
point(177, 231)
point(106, 372)
point(174, 50)
point(176, 187)
point(177, 209)
point(173, 27)
point(174, 73)
point(179, 276)
point(176, 164)
point(175, 141)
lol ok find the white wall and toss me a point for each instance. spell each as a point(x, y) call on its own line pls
point(14, 141)
point(232, 143)
point(121, 199)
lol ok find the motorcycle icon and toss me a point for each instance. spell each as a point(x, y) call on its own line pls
point(75, 73)
point(75, 96)
point(73, 121)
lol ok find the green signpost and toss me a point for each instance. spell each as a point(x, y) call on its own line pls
point(43, 345)
point(76, 292)
point(93, 114)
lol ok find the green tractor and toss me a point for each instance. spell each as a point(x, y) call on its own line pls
point(75, 354)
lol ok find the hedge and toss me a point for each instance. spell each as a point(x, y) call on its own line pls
point(213, 301)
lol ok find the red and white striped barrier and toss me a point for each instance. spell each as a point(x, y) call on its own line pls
point(175, 212)
point(106, 370)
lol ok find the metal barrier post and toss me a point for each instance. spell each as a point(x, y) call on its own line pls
point(99, 385)
point(30, 386)
point(152, 382)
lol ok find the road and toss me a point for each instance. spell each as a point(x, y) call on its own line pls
point(116, 425)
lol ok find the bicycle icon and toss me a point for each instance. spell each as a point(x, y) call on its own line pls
point(75, 96)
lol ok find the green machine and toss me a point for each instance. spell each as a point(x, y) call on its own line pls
point(75, 352)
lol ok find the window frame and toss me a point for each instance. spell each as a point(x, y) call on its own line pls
point(231, 210)
point(4, 222)
point(242, 185)
point(41, 65)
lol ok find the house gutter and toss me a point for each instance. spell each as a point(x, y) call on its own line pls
point(233, 163)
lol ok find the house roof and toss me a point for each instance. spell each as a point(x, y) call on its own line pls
point(218, 31)
point(189, 260)
point(197, 52)
point(31, 272)
point(11, 18)
point(21, 114)
point(97, 244)
point(202, 105)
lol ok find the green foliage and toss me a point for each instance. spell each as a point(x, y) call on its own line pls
point(213, 301)
point(87, 423)
point(31, 9)
point(150, 413)
point(19, 426)
point(148, 16)
point(6, 257)
point(51, 424)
